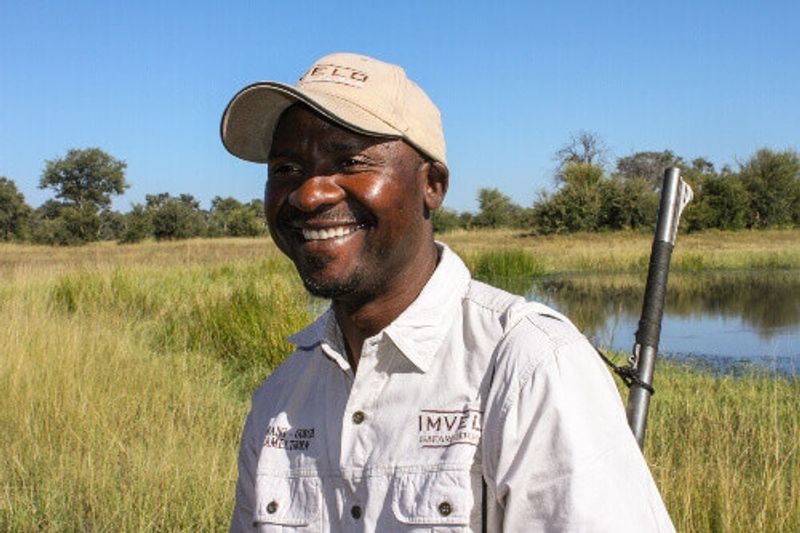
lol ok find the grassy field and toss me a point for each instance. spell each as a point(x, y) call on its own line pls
point(125, 374)
point(630, 251)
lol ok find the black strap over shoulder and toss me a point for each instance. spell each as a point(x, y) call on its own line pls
point(627, 374)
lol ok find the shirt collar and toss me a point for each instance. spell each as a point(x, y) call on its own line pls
point(418, 331)
point(324, 332)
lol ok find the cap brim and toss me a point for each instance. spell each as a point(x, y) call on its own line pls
point(249, 121)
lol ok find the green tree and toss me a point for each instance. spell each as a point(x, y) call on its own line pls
point(576, 206)
point(772, 180)
point(648, 166)
point(466, 220)
point(84, 177)
point(84, 181)
point(249, 221)
point(700, 214)
point(497, 210)
point(720, 200)
point(112, 225)
point(627, 204)
point(230, 217)
point(175, 218)
point(138, 225)
point(729, 200)
point(65, 224)
point(444, 220)
point(15, 213)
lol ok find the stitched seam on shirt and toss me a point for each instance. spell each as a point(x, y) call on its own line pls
point(564, 337)
point(499, 309)
point(529, 369)
point(513, 392)
point(484, 306)
point(517, 384)
point(558, 343)
point(512, 396)
point(523, 380)
point(373, 471)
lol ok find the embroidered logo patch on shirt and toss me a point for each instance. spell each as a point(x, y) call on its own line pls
point(288, 438)
point(440, 428)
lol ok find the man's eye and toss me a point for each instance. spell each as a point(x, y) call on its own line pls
point(351, 163)
point(284, 170)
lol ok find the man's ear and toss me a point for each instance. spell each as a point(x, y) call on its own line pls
point(436, 181)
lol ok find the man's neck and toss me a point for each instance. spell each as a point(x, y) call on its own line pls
point(360, 320)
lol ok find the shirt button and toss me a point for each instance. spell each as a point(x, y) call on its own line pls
point(445, 509)
point(355, 511)
point(358, 417)
point(272, 507)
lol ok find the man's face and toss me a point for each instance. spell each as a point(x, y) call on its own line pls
point(348, 209)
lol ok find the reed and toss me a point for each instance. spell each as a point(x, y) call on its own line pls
point(725, 451)
point(509, 269)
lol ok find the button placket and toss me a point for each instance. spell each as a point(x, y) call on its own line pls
point(356, 512)
point(357, 426)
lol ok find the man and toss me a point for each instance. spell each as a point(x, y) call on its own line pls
point(422, 400)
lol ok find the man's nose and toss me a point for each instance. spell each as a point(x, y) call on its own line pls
point(315, 192)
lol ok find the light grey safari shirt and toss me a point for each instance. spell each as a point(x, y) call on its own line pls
point(468, 380)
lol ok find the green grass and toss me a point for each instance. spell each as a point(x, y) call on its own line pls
point(125, 373)
point(725, 451)
point(509, 269)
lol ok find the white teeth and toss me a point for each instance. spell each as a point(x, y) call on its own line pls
point(327, 233)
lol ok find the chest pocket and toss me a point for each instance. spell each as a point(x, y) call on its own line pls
point(429, 499)
point(287, 504)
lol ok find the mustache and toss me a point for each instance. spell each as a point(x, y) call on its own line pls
point(346, 214)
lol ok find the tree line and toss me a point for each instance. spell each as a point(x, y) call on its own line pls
point(84, 181)
point(763, 192)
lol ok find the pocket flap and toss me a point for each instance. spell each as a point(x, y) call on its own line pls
point(287, 501)
point(433, 497)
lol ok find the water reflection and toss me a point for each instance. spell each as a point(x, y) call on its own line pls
point(717, 316)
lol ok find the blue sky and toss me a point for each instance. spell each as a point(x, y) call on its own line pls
point(147, 81)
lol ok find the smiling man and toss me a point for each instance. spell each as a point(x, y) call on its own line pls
point(422, 400)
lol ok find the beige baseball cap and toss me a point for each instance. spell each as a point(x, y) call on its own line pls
point(362, 94)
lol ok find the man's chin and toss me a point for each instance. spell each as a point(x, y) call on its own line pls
point(330, 289)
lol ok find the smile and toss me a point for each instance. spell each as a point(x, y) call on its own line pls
point(334, 232)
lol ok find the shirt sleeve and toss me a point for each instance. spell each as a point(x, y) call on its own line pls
point(243, 511)
point(558, 453)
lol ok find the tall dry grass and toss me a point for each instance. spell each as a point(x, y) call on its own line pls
point(125, 373)
point(630, 251)
point(125, 386)
point(725, 451)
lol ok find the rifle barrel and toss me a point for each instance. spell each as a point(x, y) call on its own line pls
point(675, 194)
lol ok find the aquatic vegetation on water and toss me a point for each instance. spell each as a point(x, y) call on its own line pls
point(513, 270)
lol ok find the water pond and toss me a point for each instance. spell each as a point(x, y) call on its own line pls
point(729, 322)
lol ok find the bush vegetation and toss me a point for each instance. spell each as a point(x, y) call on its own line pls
point(763, 193)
